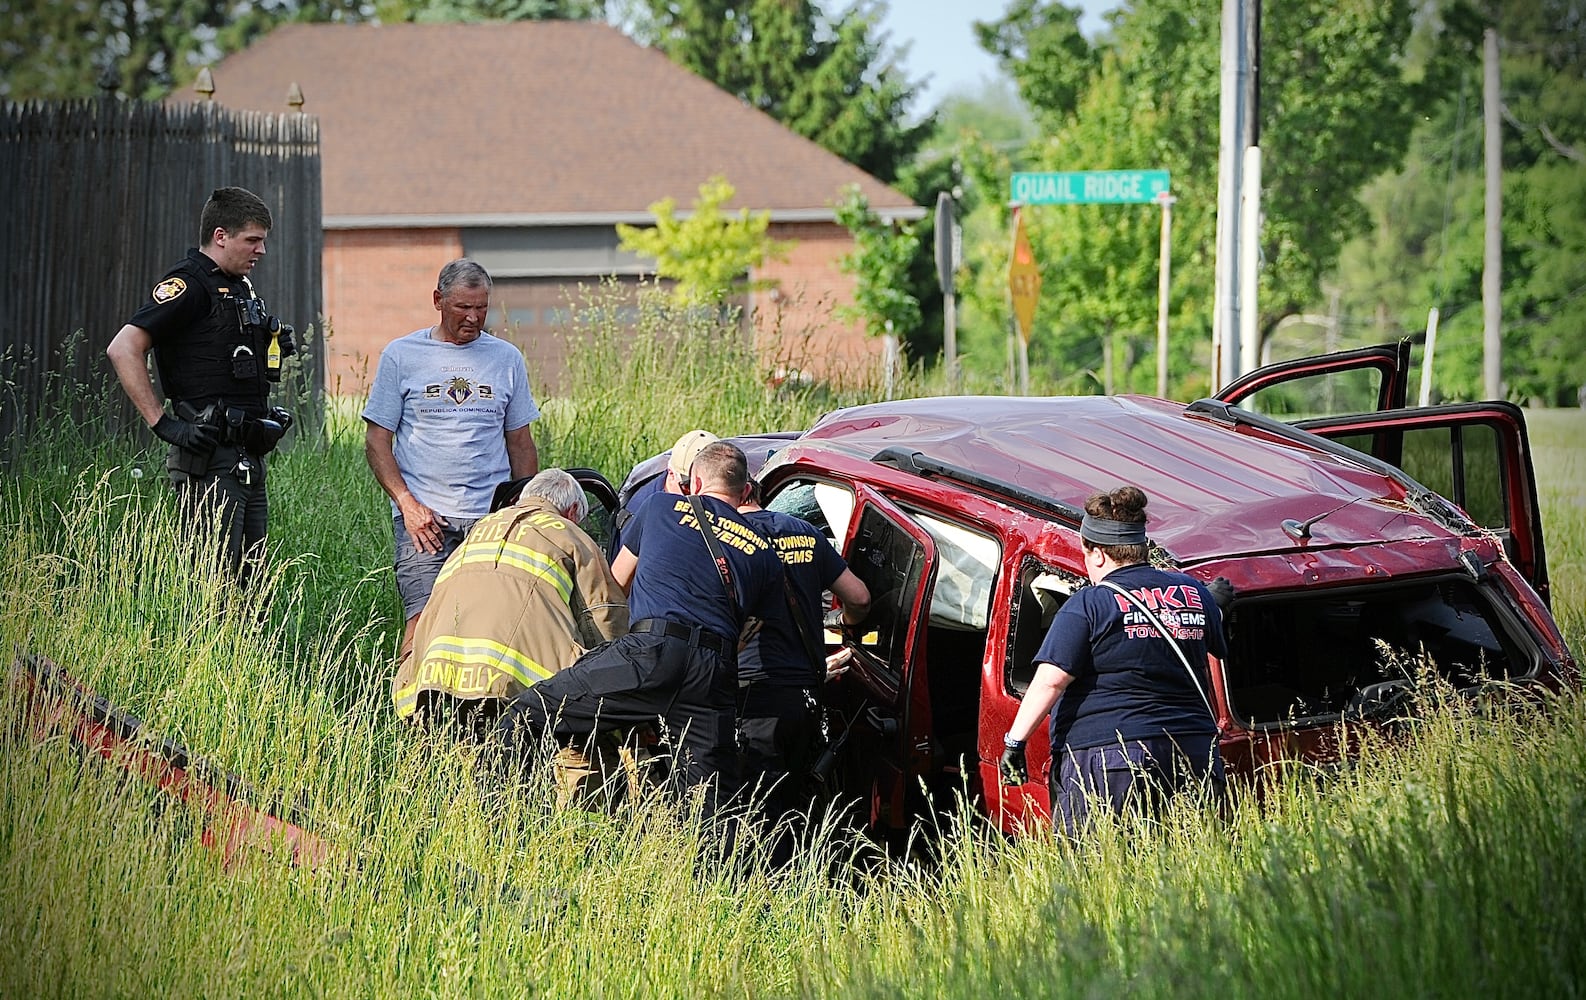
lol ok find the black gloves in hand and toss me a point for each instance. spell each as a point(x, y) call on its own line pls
point(185, 434)
point(1013, 769)
point(286, 339)
point(1222, 592)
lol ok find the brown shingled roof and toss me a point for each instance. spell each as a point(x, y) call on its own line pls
point(522, 122)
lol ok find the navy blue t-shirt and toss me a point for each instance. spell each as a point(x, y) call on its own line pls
point(1128, 683)
point(778, 654)
point(646, 490)
point(676, 578)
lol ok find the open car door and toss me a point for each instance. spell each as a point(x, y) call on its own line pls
point(887, 707)
point(600, 522)
point(1370, 378)
point(1476, 454)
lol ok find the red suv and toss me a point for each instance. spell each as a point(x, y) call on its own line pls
point(1359, 546)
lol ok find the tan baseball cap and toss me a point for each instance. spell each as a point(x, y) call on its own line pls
point(686, 450)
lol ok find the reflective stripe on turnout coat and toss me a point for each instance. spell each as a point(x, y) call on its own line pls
point(521, 598)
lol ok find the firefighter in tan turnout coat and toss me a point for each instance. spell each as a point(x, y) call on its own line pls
point(521, 598)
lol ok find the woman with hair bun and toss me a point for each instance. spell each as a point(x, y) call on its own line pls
point(1127, 658)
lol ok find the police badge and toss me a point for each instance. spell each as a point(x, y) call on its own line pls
point(169, 289)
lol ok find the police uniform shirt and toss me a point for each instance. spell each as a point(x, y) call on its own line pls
point(676, 578)
point(195, 331)
point(778, 653)
point(1128, 683)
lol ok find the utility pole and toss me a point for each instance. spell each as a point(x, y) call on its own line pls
point(1249, 260)
point(1163, 287)
point(1492, 258)
point(949, 254)
point(1237, 131)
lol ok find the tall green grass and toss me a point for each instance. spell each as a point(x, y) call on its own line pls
point(1447, 864)
point(630, 394)
point(1558, 451)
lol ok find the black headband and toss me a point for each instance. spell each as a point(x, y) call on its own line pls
point(1101, 531)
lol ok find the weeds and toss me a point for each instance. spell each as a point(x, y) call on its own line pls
point(1446, 863)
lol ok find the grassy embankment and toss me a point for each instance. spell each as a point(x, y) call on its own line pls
point(1447, 866)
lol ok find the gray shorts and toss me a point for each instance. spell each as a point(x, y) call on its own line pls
point(416, 571)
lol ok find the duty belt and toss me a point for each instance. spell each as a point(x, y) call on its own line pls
point(695, 635)
point(252, 434)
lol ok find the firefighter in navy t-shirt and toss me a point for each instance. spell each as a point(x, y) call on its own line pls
point(780, 668)
point(1134, 724)
point(679, 662)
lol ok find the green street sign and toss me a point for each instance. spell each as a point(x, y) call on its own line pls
point(1090, 187)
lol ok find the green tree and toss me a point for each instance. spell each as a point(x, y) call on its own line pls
point(143, 50)
point(992, 112)
point(1042, 48)
point(466, 11)
point(148, 48)
point(710, 251)
point(1097, 317)
point(1336, 106)
point(1425, 247)
point(880, 262)
point(830, 79)
point(975, 129)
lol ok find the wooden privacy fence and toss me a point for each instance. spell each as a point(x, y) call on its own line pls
point(100, 198)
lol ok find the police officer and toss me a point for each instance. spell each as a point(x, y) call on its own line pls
point(217, 351)
point(695, 571)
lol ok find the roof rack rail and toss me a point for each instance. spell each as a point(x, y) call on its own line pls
point(920, 464)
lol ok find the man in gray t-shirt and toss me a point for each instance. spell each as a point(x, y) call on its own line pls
point(448, 418)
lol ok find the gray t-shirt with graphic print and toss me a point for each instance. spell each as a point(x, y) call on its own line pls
point(449, 407)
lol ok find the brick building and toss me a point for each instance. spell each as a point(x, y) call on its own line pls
point(522, 145)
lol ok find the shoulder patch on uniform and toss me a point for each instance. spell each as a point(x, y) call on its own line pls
point(169, 289)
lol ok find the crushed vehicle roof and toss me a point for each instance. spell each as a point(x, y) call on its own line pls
point(756, 448)
point(1214, 492)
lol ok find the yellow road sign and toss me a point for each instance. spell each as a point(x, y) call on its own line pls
point(1024, 279)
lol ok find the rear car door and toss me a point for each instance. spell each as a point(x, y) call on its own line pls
point(1476, 454)
point(888, 719)
point(1369, 378)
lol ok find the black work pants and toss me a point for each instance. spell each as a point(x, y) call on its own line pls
point(243, 509)
point(1132, 776)
point(777, 728)
point(634, 679)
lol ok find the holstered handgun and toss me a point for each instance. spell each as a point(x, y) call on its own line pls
point(260, 436)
